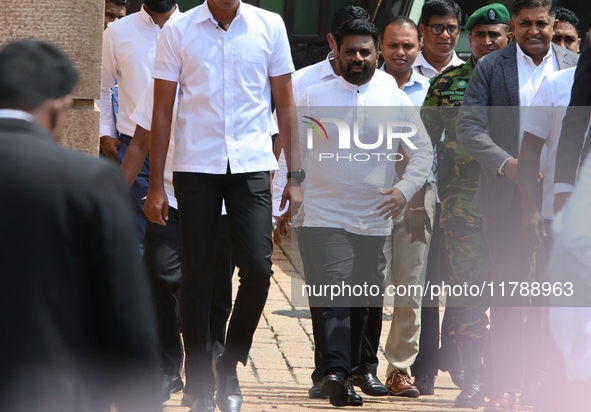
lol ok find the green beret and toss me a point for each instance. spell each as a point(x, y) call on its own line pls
point(492, 14)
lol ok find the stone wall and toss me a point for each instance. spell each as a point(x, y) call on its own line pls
point(77, 27)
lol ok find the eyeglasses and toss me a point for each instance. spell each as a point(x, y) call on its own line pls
point(437, 29)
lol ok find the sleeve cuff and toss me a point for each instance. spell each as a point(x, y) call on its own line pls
point(563, 188)
point(500, 170)
point(406, 188)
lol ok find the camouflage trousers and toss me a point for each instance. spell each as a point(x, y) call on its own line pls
point(468, 254)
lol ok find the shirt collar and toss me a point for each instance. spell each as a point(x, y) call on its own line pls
point(16, 114)
point(327, 70)
point(203, 13)
point(148, 19)
point(421, 61)
point(414, 77)
point(353, 87)
point(526, 59)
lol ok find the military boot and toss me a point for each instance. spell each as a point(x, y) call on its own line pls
point(472, 394)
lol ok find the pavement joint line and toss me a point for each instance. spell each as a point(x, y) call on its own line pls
point(255, 371)
point(276, 339)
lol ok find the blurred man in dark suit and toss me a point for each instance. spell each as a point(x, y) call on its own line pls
point(78, 329)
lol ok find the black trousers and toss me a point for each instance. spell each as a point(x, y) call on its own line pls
point(162, 258)
point(248, 202)
point(330, 257)
point(510, 258)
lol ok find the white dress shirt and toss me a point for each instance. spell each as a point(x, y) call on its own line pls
point(225, 93)
point(300, 81)
point(424, 68)
point(16, 114)
point(416, 88)
point(345, 194)
point(142, 116)
point(129, 48)
point(544, 120)
point(530, 78)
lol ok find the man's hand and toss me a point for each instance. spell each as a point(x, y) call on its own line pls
point(415, 223)
point(156, 206)
point(393, 205)
point(511, 170)
point(109, 146)
point(560, 200)
point(281, 231)
point(533, 228)
point(293, 193)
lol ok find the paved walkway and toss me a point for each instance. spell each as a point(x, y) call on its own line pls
point(277, 376)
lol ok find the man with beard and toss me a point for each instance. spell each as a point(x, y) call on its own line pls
point(341, 240)
point(492, 136)
point(129, 47)
point(488, 30)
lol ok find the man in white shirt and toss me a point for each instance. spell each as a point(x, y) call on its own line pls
point(365, 373)
point(406, 252)
point(507, 77)
point(129, 47)
point(162, 256)
point(226, 58)
point(354, 222)
point(440, 30)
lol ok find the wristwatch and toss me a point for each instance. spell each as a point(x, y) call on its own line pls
point(299, 175)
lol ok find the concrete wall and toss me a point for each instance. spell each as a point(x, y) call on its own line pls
point(77, 27)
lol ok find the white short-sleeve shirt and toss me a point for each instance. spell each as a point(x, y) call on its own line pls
point(224, 96)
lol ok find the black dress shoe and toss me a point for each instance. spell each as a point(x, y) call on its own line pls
point(349, 399)
point(203, 405)
point(335, 383)
point(425, 384)
point(227, 395)
point(370, 385)
point(315, 392)
point(170, 384)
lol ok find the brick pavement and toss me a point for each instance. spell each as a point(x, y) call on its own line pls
point(277, 376)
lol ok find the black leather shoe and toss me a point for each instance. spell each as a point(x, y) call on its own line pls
point(335, 383)
point(472, 396)
point(425, 384)
point(315, 392)
point(227, 395)
point(203, 405)
point(370, 385)
point(170, 384)
point(349, 399)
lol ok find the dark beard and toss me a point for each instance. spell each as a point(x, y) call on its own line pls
point(358, 78)
point(160, 6)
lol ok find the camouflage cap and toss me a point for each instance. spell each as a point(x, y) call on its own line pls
point(492, 14)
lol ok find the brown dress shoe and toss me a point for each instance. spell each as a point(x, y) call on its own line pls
point(504, 402)
point(398, 384)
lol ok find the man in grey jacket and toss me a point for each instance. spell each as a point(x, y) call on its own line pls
point(507, 77)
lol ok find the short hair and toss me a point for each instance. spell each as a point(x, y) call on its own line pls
point(399, 21)
point(160, 6)
point(531, 4)
point(359, 27)
point(565, 15)
point(32, 72)
point(118, 2)
point(345, 14)
point(440, 8)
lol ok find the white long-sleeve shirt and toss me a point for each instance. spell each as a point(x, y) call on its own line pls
point(342, 191)
point(129, 49)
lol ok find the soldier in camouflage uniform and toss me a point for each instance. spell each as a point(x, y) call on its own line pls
point(457, 182)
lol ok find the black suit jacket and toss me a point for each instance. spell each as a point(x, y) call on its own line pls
point(575, 123)
point(76, 319)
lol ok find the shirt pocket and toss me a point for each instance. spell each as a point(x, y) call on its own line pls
point(253, 71)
